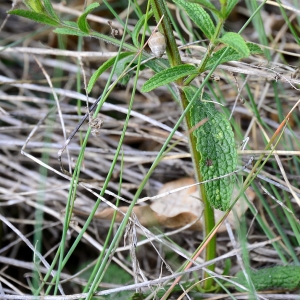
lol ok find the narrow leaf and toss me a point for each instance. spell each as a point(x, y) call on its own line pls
point(216, 147)
point(37, 17)
point(35, 5)
point(236, 42)
point(230, 6)
point(71, 24)
point(138, 27)
point(109, 63)
point(50, 10)
point(168, 76)
point(69, 31)
point(82, 22)
point(199, 16)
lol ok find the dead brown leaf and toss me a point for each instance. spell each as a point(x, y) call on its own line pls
point(176, 209)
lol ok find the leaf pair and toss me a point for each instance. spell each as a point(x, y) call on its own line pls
point(201, 18)
point(238, 47)
point(172, 74)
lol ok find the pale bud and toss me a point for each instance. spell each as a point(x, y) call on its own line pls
point(157, 44)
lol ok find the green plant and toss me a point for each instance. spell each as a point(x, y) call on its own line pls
point(278, 277)
point(211, 165)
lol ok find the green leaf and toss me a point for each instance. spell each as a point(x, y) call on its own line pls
point(167, 76)
point(230, 6)
point(208, 5)
point(278, 277)
point(137, 28)
point(122, 65)
point(254, 49)
point(236, 42)
point(82, 22)
point(71, 24)
point(35, 5)
point(50, 10)
point(69, 31)
point(216, 147)
point(109, 63)
point(199, 16)
point(158, 64)
point(37, 17)
point(231, 55)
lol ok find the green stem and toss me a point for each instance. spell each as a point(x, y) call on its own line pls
point(208, 53)
point(159, 10)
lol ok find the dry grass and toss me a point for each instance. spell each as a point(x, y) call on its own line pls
point(39, 109)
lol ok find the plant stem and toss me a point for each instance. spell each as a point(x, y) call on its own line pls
point(159, 10)
point(208, 53)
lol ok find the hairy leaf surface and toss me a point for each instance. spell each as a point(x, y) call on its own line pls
point(199, 16)
point(216, 147)
point(278, 277)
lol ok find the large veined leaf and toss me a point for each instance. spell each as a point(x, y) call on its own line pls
point(199, 16)
point(207, 4)
point(216, 147)
point(278, 277)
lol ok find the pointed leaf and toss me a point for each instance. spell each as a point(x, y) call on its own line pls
point(82, 22)
point(35, 5)
point(230, 6)
point(37, 17)
point(199, 16)
point(216, 147)
point(50, 10)
point(254, 49)
point(109, 63)
point(236, 42)
point(168, 76)
point(137, 28)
